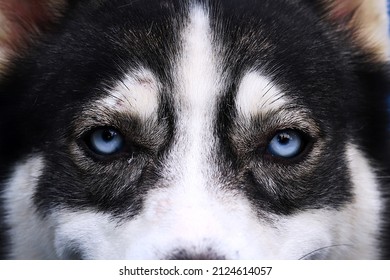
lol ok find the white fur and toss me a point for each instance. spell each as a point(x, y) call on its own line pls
point(198, 81)
point(31, 237)
point(365, 211)
point(258, 95)
point(136, 93)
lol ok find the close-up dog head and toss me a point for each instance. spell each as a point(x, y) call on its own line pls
point(193, 129)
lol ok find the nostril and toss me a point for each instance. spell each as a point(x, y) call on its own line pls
point(183, 254)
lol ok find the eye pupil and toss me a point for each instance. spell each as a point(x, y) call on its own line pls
point(108, 135)
point(283, 139)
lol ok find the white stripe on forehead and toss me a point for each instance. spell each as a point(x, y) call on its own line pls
point(257, 94)
point(197, 73)
point(197, 86)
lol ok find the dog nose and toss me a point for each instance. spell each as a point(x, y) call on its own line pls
point(185, 254)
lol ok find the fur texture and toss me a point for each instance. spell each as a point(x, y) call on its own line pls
point(195, 92)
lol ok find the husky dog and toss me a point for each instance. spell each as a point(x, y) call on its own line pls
point(199, 129)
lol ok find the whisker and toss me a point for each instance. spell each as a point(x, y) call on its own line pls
point(269, 88)
point(276, 99)
point(383, 177)
point(265, 88)
point(128, 4)
point(271, 97)
point(324, 248)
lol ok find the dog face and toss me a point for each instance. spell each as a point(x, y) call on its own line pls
point(196, 130)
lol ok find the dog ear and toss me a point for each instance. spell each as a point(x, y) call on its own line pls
point(23, 20)
point(366, 20)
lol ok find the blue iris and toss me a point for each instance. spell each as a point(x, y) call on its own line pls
point(106, 141)
point(286, 144)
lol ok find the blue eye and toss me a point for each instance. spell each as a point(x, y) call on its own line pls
point(286, 144)
point(105, 141)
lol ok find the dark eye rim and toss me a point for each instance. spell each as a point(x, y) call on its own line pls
point(84, 142)
point(307, 145)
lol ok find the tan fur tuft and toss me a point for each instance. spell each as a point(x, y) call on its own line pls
point(21, 21)
point(368, 19)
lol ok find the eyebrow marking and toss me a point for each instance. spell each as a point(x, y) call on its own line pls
point(137, 94)
point(257, 94)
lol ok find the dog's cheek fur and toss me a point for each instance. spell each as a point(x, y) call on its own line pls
point(31, 237)
point(224, 224)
